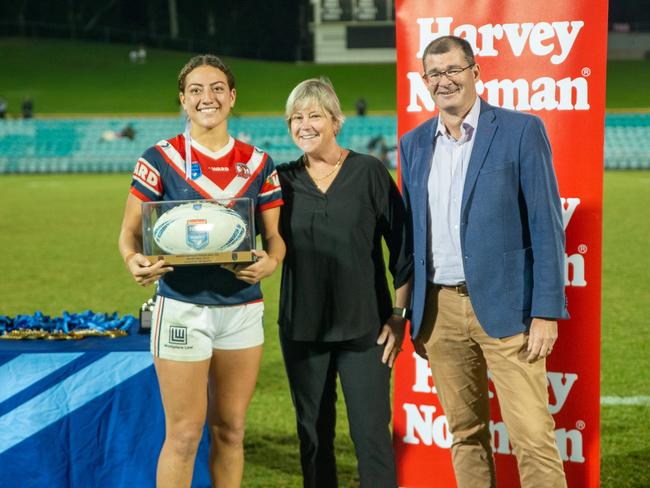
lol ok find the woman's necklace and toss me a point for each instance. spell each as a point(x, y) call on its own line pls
point(321, 178)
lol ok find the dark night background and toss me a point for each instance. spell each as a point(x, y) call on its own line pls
point(261, 29)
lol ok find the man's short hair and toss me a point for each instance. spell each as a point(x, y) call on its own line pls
point(444, 44)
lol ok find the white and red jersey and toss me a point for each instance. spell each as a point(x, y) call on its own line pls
point(238, 170)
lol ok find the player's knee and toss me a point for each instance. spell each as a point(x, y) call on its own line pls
point(230, 433)
point(183, 438)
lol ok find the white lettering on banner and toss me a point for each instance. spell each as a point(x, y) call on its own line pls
point(569, 206)
point(547, 93)
point(418, 91)
point(429, 430)
point(542, 38)
point(574, 264)
point(561, 384)
point(422, 375)
point(543, 93)
point(574, 270)
point(422, 427)
point(500, 438)
point(563, 438)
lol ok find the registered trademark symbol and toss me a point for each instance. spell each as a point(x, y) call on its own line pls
point(580, 424)
point(582, 248)
point(586, 72)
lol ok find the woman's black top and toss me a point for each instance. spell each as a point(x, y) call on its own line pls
point(334, 285)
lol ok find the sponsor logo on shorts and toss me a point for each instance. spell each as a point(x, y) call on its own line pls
point(178, 334)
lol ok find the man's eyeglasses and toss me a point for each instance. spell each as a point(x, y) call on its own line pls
point(436, 76)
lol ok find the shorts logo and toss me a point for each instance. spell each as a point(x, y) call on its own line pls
point(177, 334)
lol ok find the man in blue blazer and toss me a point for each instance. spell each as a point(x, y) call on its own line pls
point(489, 267)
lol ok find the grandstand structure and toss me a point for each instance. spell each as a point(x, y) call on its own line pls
point(77, 145)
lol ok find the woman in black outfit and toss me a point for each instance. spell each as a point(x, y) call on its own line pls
point(336, 312)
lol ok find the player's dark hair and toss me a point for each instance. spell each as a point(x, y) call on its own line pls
point(444, 44)
point(205, 60)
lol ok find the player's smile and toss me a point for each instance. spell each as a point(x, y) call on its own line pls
point(207, 98)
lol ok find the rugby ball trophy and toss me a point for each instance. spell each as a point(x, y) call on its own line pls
point(198, 231)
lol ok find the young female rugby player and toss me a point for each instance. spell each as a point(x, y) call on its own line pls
point(217, 314)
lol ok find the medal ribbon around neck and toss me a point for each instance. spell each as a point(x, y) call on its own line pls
point(188, 150)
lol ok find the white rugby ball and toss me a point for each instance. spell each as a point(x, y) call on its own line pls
point(199, 228)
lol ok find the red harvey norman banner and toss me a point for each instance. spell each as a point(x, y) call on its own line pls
point(548, 58)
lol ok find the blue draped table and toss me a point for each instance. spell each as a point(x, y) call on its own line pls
point(82, 414)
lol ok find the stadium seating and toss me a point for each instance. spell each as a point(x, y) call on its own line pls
point(627, 141)
point(77, 145)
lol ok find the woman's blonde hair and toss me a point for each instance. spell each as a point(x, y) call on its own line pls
point(319, 91)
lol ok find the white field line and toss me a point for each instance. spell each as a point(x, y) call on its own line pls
point(631, 400)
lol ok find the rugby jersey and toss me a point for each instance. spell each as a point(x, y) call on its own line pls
point(237, 170)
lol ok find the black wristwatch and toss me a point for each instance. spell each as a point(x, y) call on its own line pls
point(404, 313)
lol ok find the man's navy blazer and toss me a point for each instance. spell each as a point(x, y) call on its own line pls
point(511, 234)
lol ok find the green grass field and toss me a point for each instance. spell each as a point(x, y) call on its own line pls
point(95, 78)
point(58, 236)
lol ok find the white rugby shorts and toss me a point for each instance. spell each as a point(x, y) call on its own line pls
point(184, 331)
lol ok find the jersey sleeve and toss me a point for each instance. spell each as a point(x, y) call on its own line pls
point(270, 195)
point(146, 183)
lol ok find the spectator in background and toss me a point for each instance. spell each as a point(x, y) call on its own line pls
point(378, 148)
point(3, 108)
point(142, 54)
point(361, 106)
point(111, 135)
point(128, 132)
point(27, 108)
point(139, 55)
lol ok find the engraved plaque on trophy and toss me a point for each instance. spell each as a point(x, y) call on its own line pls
point(184, 232)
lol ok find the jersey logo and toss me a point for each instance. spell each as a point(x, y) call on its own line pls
point(242, 170)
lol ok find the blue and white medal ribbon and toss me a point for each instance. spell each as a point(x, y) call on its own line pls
point(188, 150)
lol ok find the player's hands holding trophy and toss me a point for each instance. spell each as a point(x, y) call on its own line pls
point(263, 266)
point(143, 271)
